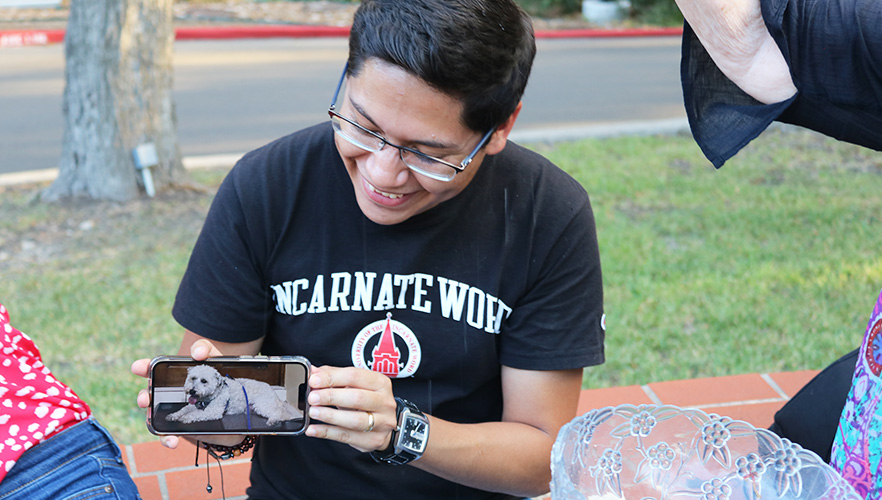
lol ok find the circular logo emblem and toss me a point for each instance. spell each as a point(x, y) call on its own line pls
point(387, 347)
point(874, 348)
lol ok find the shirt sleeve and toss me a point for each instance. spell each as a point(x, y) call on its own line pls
point(558, 323)
point(834, 51)
point(563, 313)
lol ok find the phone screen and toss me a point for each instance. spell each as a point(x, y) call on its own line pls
point(260, 395)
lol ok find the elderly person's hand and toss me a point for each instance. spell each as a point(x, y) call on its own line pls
point(735, 36)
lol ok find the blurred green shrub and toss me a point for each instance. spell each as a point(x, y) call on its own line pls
point(656, 12)
point(550, 8)
point(651, 12)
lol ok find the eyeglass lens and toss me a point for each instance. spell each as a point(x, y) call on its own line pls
point(369, 141)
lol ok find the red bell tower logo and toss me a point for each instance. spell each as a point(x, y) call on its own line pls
point(387, 347)
point(386, 354)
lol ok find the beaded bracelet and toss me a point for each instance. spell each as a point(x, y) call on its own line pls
point(226, 452)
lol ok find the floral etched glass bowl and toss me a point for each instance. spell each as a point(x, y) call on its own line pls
point(650, 452)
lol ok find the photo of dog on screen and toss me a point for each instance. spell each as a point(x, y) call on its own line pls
point(199, 397)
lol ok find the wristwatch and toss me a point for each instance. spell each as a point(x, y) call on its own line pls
point(409, 438)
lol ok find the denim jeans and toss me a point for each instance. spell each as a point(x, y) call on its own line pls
point(82, 462)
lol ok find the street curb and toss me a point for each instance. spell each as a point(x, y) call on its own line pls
point(534, 135)
point(31, 37)
point(13, 38)
point(259, 31)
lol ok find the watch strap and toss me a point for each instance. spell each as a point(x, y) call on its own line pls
point(389, 455)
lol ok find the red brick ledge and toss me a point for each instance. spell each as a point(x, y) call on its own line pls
point(163, 474)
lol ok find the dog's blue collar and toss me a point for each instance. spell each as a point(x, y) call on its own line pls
point(247, 405)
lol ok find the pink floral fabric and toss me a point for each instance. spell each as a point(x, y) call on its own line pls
point(33, 404)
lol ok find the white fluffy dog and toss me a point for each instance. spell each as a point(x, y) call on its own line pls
point(210, 396)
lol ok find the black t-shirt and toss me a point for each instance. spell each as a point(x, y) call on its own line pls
point(834, 51)
point(505, 273)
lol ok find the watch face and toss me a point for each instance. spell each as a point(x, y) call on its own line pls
point(413, 435)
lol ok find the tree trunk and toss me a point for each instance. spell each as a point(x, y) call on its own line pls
point(118, 94)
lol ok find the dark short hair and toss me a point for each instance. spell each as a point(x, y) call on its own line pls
point(478, 51)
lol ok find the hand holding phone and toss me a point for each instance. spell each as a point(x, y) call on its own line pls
point(228, 395)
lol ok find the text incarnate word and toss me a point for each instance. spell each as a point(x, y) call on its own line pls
point(365, 291)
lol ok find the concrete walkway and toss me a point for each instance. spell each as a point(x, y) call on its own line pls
point(163, 474)
point(521, 136)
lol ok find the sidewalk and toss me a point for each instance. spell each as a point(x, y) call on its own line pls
point(543, 134)
point(163, 474)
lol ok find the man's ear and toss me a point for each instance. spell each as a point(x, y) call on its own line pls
point(497, 141)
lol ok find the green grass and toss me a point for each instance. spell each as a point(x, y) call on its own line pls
point(771, 263)
point(97, 299)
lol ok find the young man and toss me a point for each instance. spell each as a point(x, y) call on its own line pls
point(423, 263)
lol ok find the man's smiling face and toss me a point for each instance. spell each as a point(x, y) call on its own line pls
point(391, 102)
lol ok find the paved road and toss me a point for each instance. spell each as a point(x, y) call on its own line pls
point(233, 96)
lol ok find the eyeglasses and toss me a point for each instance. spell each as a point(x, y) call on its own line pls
point(421, 163)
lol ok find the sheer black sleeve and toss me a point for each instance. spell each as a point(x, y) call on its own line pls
point(834, 51)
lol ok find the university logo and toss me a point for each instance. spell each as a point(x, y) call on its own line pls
point(388, 347)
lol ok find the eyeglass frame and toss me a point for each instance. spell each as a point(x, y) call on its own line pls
point(401, 149)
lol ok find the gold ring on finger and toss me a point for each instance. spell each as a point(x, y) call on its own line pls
point(370, 425)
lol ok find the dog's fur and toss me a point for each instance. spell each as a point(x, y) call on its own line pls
point(211, 396)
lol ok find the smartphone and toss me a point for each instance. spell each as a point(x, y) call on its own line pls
point(228, 395)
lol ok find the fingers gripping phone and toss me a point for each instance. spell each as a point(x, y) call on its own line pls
point(228, 395)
